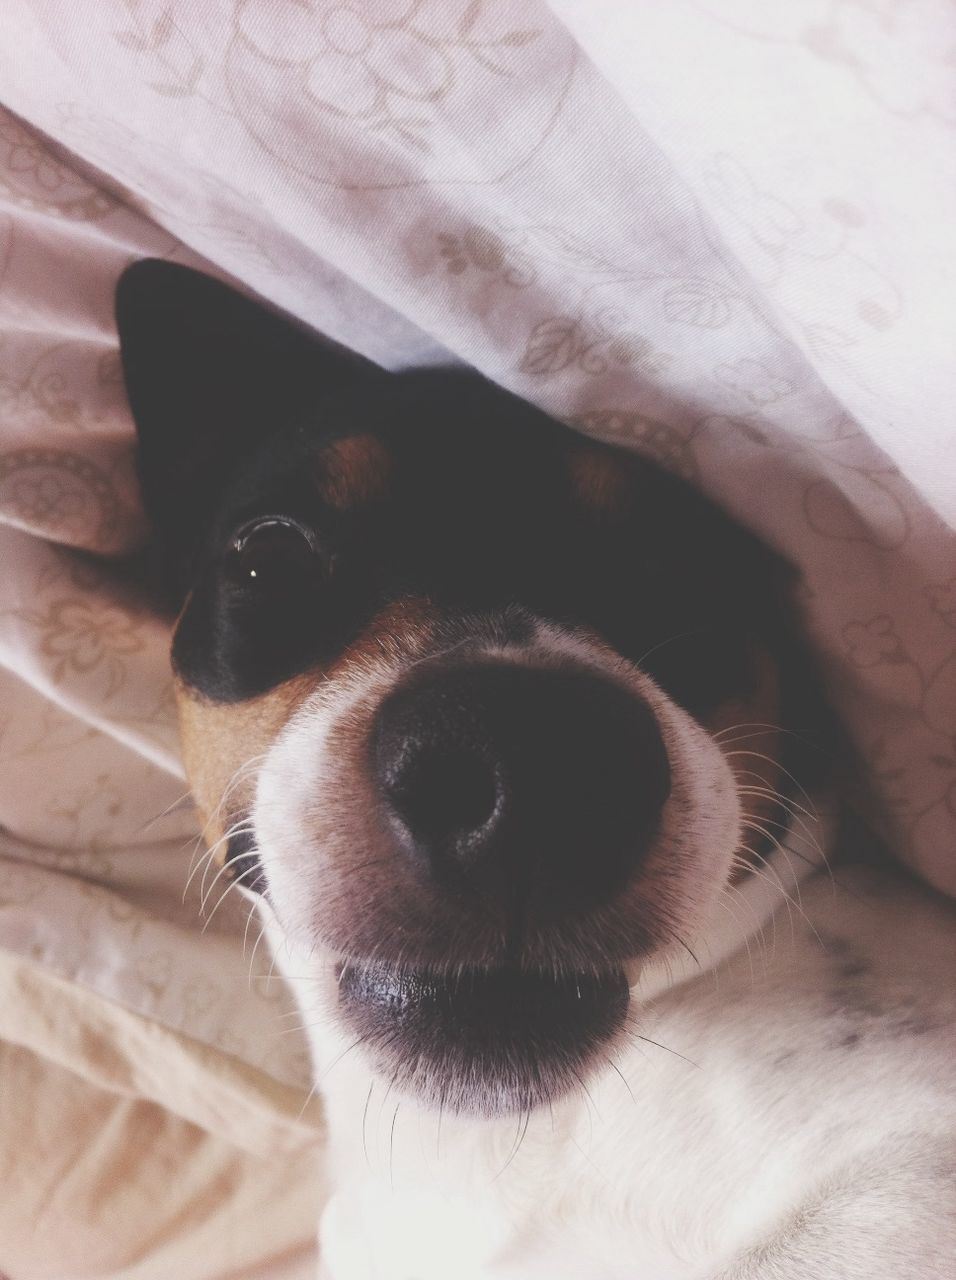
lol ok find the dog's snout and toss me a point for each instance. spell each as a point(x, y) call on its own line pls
point(540, 787)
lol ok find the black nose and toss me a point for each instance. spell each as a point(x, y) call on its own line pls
point(541, 787)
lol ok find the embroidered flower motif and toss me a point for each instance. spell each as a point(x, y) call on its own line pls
point(46, 501)
point(61, 495)
point(487, 251)
point(357, 55)
point(35, 177)
point(30, 160)
point(200, 996)
point(871, 643)
point(153, 972)
point(755, 380)
point(771, 221)
point(658, 440)
point(81, 638)
point(401, 70)
point(84, 636)
point(591, 342)
point(902, 54)
point(942, 600)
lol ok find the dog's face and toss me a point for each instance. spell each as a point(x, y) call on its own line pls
point(490, 712)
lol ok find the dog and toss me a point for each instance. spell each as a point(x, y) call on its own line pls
point(513, 736)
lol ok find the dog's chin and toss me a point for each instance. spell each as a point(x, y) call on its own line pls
point(482, 1043)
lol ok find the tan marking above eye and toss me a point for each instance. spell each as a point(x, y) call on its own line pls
point(600, 479)
point(353, 471)
point(220, 739)
point(222, 743)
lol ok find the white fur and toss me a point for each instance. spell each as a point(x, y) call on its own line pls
point(788, 1113)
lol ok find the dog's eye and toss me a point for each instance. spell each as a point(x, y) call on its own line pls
point(273, 550)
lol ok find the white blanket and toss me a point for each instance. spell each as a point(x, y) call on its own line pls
point(717, 231)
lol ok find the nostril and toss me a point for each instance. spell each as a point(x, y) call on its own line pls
point(528, 785)
point(444, 796)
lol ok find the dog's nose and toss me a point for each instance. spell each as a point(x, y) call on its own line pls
point(542, 787)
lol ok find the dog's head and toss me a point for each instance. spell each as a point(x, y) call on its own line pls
point(492, 712)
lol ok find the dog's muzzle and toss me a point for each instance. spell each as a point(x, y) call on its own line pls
point(483, 840)
point(530, 794)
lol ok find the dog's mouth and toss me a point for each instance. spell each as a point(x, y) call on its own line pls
point(484, 1042)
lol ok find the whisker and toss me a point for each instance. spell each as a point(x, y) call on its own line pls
point(764, 727)
point(682, 943)
point(760, 755)
point(239, 776)
point(239, 829)
point(206, 858)
point(778, 884)
point(520, 1132)
point(668, 1049)
point(196, 861)
point(681, 635)
point(618, 1072)
point(806, 831)
point(308, 1098)
point(391, 1147)
point(751, 867)
point(441, 1116)
point(224, 869)
point(344, 1054)
point(591, 1107)
point(758, 828)
point(749, 824)
point(252, 959)
point(728, 892)
point(760, 788)
point(252, 914)
point(233, 887)
point(368, 1103)
point(185, 801)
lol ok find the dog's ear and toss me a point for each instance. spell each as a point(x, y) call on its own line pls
point(209, 375)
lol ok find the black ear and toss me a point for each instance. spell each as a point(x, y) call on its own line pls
point(209, 374)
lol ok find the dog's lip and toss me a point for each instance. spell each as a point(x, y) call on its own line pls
point(488, 1042)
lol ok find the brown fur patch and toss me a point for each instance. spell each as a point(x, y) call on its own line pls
point(600, 480)
point(401, 629)
point(353, 472)
point(219, 739)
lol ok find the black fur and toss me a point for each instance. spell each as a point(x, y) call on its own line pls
point(232, 404)
point(209, 374)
